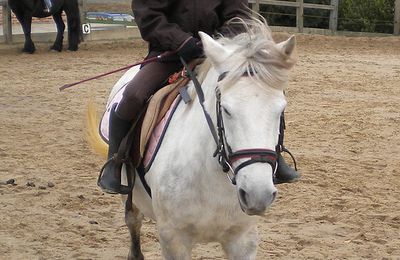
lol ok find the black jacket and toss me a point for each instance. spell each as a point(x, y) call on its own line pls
point(166, 24)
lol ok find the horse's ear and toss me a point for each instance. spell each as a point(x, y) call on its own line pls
point(213, 50)
point(288, 46)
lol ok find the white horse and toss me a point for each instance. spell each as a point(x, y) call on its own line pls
point(192, 200)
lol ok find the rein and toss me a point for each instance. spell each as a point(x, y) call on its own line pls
point(225, 156)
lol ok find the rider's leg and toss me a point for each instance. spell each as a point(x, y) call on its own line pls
point(284, 173)
point(48, 5)
point(146, 82)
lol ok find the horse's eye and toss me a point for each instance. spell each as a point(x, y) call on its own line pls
point(226, 111)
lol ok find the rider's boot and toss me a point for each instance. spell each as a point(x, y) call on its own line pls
point(110, 176)
point(284, 172)
point(48, 5)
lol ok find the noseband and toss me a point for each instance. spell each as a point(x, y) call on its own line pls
point(226, 157)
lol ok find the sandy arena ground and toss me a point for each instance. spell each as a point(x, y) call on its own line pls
point(343, 126)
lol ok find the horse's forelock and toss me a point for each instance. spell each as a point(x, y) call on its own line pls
point(257, 54)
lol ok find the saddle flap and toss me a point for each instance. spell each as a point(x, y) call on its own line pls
point(156, 110)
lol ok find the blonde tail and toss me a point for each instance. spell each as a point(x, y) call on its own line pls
point(92, 131)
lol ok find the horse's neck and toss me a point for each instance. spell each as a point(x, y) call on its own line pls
point(195, 122)
point(208, 79)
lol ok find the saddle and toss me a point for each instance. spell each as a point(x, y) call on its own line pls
point(156, 110)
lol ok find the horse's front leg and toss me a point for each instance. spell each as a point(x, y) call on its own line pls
point(174, 244)
point(26, 22)
point(241, 245)
point(58, 43)
point(133, 219)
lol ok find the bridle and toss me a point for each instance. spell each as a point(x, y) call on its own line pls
point(226, 157)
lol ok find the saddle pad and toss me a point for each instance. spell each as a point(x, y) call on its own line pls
point(157, 115)
point(157, 136)
point(104, 122)
point(157, 107)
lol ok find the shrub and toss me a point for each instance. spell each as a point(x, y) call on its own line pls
point(366, 16)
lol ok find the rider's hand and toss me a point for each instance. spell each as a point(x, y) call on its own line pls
point(191, 49)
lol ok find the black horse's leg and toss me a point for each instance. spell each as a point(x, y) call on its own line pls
point(133, 219)
point(26, 22)
point(71, 9)
point(58, 44)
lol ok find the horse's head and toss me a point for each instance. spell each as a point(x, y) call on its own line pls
point(253, 72)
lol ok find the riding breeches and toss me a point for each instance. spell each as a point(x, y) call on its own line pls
point(150, 78)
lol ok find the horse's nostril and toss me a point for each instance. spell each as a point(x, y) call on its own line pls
point(243, 196)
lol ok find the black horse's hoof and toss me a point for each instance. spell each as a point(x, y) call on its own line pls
point(56, 48)
point(75, 48)
point(29, 49)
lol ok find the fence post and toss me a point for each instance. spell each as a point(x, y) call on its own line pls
point(256, 6)
point(300, 16)
point(82, 13)
point(7, 23)
point(333, 20)
point(396, 30)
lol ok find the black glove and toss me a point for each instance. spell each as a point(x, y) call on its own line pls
point(191, 49)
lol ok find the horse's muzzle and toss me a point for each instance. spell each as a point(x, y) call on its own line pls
point(254, 204)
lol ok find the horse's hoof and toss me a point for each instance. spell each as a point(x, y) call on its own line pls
point(29, 47)
point(29, 51)
point(135, 257)
point(73, 48)
point(58, 49)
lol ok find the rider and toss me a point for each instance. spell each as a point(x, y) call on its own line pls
point(167, 26)
point(48, 5)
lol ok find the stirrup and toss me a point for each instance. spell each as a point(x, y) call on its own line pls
point(123, 189)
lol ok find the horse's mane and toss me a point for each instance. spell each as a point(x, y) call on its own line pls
point(257, 54)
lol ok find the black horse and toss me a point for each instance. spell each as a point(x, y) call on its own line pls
point(26, 9)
